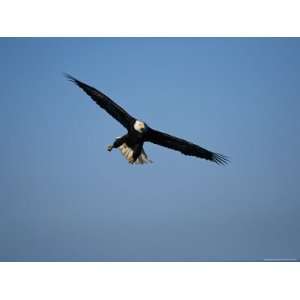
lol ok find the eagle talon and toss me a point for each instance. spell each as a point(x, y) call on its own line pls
point(109, 148)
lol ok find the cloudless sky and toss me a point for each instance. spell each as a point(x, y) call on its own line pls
point(64, 197)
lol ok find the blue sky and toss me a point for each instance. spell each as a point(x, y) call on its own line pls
point(64, 197)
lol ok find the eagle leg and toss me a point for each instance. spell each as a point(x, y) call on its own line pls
point(117, 143)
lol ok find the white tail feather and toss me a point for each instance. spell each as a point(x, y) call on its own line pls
point(127, 152)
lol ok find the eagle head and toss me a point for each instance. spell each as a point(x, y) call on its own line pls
point(140, 126)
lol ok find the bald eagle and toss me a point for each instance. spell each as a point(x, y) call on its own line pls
point(138, 132)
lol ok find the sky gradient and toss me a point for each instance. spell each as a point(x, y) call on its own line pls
point(64, 197)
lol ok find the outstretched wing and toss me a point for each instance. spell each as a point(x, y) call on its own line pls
point(183, 146)
point(106, 103)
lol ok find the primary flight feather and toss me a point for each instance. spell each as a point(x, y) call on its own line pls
point(131, 144)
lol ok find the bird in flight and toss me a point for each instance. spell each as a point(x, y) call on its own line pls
point(138, 132)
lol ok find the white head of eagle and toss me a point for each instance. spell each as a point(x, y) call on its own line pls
point(131, 144)
point(139, 126)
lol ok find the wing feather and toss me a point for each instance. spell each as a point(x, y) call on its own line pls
point(183, 146)
point(116, 111)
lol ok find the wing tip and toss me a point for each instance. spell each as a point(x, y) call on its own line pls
point(70, 77)
point(220, 159)
point(76, 81)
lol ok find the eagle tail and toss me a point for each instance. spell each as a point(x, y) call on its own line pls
point(127, 152)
